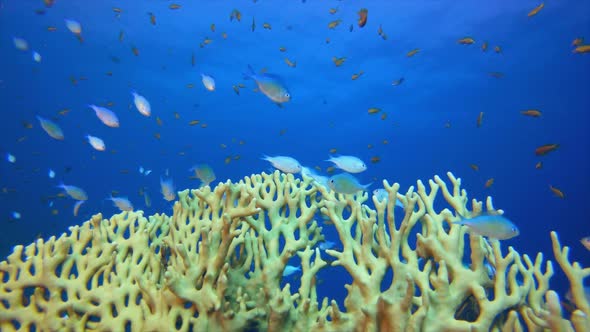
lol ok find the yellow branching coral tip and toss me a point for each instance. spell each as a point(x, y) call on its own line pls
point(217, 264)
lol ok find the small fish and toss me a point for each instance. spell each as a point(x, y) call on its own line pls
point(324, 245)
point(496, 74)
point(334, 24)
point(375, 159)
point(284, 164)
point(289, 270)
point(582, 49)
point(212, 27)
point(253, 26)
point(121, 35)
point(498, 49)
point(356, 76)
point(167, 189)
point(14, 215)
point(36, 56)
point(270, 85)
point(121, 202)
point(363, 14)
point(174, 6)
point(532, 113)
point(345, 183)
point(398, 81)
point(484, 46)
point(382, 194)
point(491, 226)
point(20, 44)
point(466, 41)
point(204, 173)
point(96, 143)
point(319, 179)
point(545, 149)
point(539, 165)
point(586, 242)
point(77, 207)
point(51, 174)
point(556, 192)
point(290, 63)
point(266, 26)
point(74, 192)
point(412, 52)
point(208, 82)
point(489, 182)
point(141, 103)
point(578, 41)
point(117, 10)
point(474, 167)
point(51, 128)
point(147, 200)
point(10, 158)
point(479, 119)
point(338, 61)
point(374, 110)
point(235, 14)
point(51, 28)
point(74, 26)
point(350, 164)
point(282, 49)
point(108, 117)
point(536, 10)
point(193, 122)
point(135, 50)
point(152, 18)
point(350, 28)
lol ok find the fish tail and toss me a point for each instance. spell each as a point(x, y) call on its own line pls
point(249, 74)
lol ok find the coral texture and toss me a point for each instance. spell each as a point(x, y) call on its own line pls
point(217, 264)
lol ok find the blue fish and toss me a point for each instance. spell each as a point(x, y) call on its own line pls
point(271, 85)
point(491, 226)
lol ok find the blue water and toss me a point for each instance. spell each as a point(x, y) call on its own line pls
point(444, 83)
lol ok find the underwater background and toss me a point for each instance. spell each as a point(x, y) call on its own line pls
point(425, 100)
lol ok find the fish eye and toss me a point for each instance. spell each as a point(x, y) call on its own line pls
point(332, 181)
point(287, 95)
point(514, 230)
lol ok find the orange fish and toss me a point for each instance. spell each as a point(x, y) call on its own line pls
point(545, 149)
point(334, 24)
point(539, 165)
point(152, 18)
point(489, 182)
point(363, 13)
point(338, 61)
point(474, 167)
point(557, 192)
point(466, 41)
point(582, 49)
point(536, 10)
point(51, 28)
point(357, 75)
point(375, 159)
point(290, 63)
point(484, 46)
point(578, 41)
point(174, 6)
point(532, 113)
point(413, 52)
point(498, 49)
point(135, 50)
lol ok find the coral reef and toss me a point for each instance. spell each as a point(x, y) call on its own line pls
point(217, 263)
